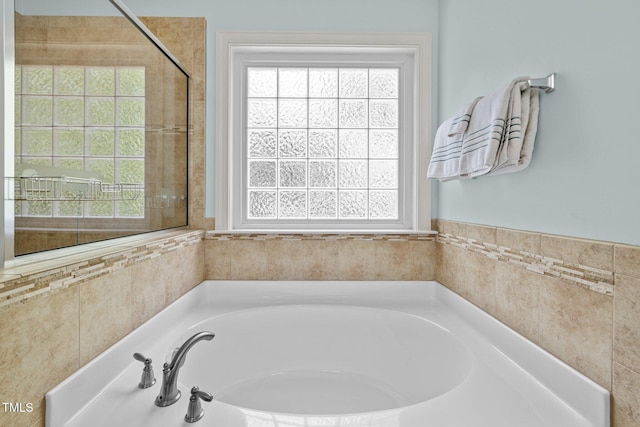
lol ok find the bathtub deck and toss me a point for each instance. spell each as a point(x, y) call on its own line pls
point(511, 382)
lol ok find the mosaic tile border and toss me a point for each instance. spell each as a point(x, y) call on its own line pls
point(27, 286)
point(212, 235)
point(594, 279)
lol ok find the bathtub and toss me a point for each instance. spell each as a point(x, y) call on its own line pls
point(358, 354)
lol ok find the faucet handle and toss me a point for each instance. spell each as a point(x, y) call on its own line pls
point(147, 379)
point(195, 411)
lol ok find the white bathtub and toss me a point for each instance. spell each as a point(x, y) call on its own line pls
point(374, 354)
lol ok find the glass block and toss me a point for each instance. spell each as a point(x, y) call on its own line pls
point(262, 113)
point(262, 204)
point(353, 113)
point(68, 141)
point(353, 143)
point(18, 110)
point(292, 113)
point(37, 110)
point(68, 208)
point(130, 171)
point(293, 173)
point(74, 163)
point(130, 142)
point(69, 80)
point(383, 174)
point(323, 173)
point(133, 208)
point(292, 82)
point(322, 143)
point(100, 112)
point(383, 113)
point(262, 173)
point(262, 82)
point(103, 168)
point(39, 208)
point(130, 112)
point(354, 83)
point(383, 144)
point(323, 204)
point(37, 79)
point(323, 83)
point(101, 208)
point(292, 143)
point(101, 81)
point(383, 204)
point(353, 173)
point(262, 143)
point(130, 81)
point(68, 111)
point(383, 83)
point(292, 204)
point(18, 80)
point(353, 204)
point(17, 146)
point(37, 141)
point(323, 113)
point(100, 142)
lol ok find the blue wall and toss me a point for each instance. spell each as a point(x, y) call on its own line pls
point(584, 178)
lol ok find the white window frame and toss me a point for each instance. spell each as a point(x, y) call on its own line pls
point(235, 50)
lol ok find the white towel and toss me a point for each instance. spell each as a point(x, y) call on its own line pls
point(498, 139)
point(460, 121)
point(447, 147)
point(490, 123)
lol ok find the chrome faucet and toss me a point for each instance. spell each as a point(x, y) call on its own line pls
point(169, 393)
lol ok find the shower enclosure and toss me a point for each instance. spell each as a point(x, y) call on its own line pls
point(101, 129)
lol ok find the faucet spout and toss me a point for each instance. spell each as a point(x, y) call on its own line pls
point(169, 393)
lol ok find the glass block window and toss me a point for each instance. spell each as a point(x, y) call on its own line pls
point(83, 120)
point(321, 143)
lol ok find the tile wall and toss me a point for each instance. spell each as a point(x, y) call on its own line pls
point(57, 315)
point(578, 299)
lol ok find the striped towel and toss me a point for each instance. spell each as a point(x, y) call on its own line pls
point(447, 147)
point(498, 139)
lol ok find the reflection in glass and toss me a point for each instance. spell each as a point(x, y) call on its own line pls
point(101, 133)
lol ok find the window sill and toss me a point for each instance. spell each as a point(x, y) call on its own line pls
point(321, 232)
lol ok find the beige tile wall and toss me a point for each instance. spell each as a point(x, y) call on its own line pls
point(319, 257)
point(579, 299)
point(44, 338)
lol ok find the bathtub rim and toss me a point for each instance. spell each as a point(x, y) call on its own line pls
point(582, 394)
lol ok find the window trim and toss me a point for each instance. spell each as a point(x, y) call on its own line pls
point(230, 44)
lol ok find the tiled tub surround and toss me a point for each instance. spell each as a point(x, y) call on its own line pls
point(579, 299)
point(59, 314)
point(320, 256)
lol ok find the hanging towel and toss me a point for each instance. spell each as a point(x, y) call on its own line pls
point(460, 121)
point(520, 147)
point(447, 147)
point(490, 125)
point(498, 138)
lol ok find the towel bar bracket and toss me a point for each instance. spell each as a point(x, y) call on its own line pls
point(548, 84)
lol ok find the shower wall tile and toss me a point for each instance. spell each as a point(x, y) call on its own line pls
point(39, 343)
point(576, 326)
point(481, 233)
point(626, 398)
point(626, 344)
point(517, 301)
point(518, 240)
point(627, 260)
point(319, 257)
point(103, 324)
point(578, 251)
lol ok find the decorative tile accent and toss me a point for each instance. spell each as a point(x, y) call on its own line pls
point(14, 289)
point(595, 279)
point(318, 236)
